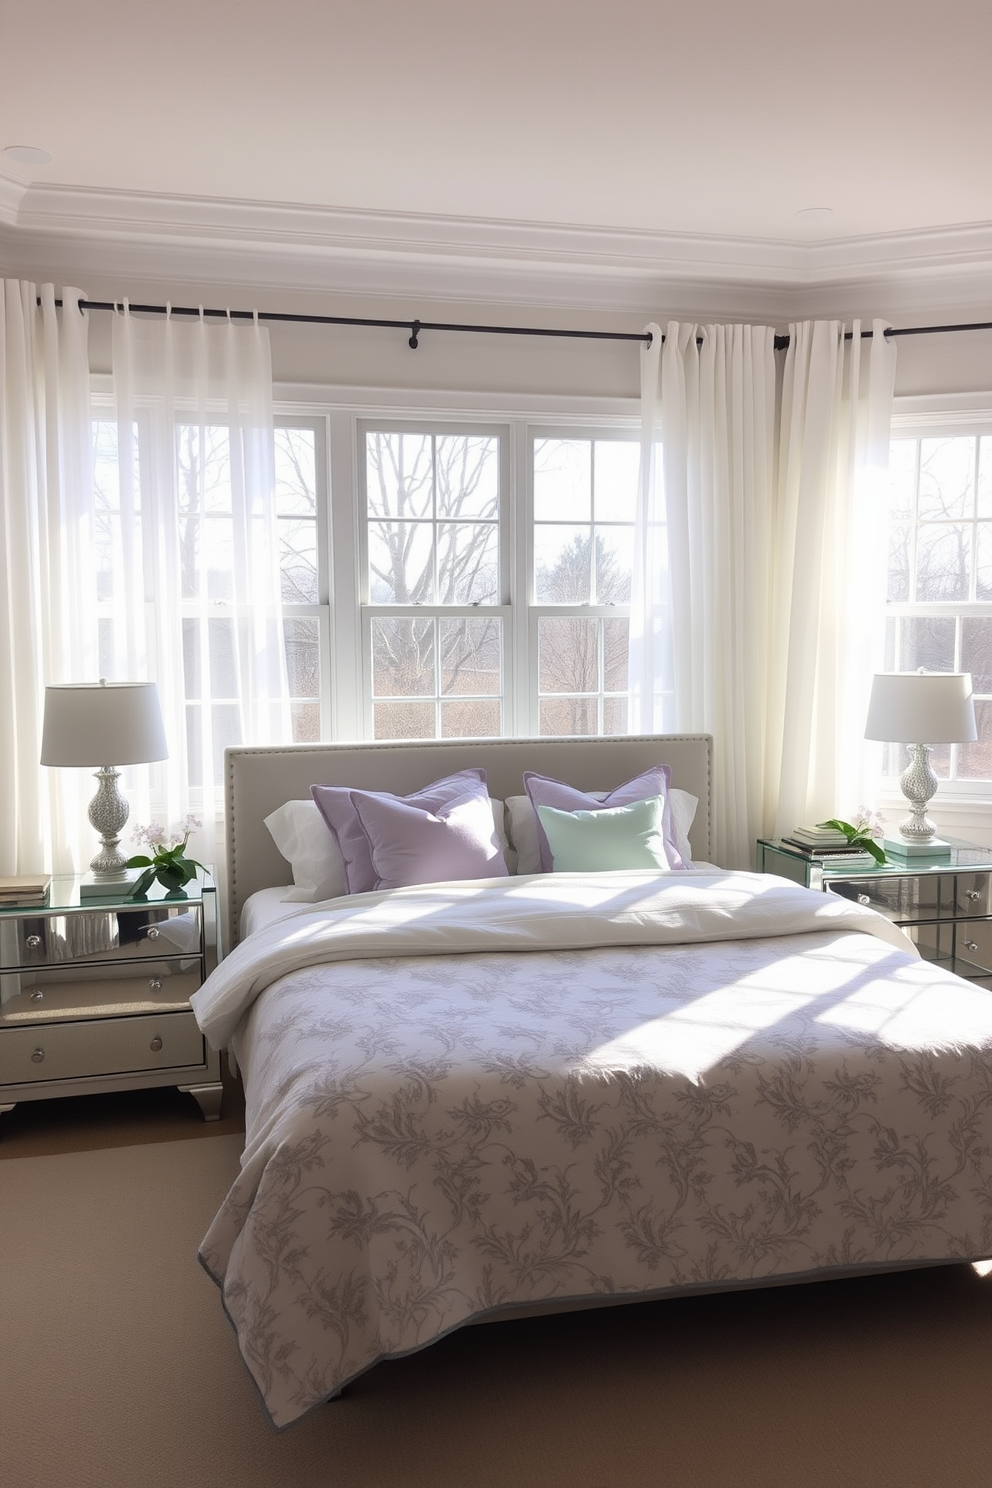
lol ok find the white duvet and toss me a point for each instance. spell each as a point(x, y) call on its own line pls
point(463, 1097)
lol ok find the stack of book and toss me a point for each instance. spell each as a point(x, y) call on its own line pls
point(828, 847)
point(24, 890)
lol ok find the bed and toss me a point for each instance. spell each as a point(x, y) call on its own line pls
point(472, 1098)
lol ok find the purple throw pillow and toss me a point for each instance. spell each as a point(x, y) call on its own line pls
point(412, 845)
point(338, 810)
point(653, 782)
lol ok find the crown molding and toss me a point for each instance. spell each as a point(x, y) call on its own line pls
point(73, 232)
point(965, 412)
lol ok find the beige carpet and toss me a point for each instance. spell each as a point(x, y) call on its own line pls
point(120, 1370)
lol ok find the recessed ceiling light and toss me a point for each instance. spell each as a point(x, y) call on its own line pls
point(814, 214)
point(27, 154)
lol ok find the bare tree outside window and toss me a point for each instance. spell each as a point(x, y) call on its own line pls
point(484, 605)
point(205, 555)
point(433, 511)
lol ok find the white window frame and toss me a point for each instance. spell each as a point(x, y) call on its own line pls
point(537, 611)
point(344, 410)
point(103, 407)
point(337, 415)
point(503, 610)
point(321, 610)
point(930, 417)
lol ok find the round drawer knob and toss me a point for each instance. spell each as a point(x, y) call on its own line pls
point(974, 894)
point(154, 932)
point(37, 996)
point(155, 1044)
point(33, 942)
point(37, 1056)
point(864, 898)
point(155, 983)
point(971, 945)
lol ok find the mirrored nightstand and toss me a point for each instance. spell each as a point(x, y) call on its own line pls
point(94, 994)
point(944, 905)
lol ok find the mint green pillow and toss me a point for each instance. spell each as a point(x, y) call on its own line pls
point(614, 838)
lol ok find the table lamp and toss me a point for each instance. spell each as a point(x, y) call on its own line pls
point(906, 707)
point(91, 723)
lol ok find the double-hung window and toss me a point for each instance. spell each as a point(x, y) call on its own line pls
point(496, 570)
point(584, 494)
point(148, 580)
point(435, 601)
point(468, 576)
point(301, 518)
point(939, 611)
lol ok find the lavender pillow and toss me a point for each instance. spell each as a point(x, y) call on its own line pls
point(340, 813)
point(412, 845)
point(653, 782)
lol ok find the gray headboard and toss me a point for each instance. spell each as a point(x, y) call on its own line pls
point(257, 780)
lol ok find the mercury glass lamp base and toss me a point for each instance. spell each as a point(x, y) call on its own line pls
point(108, 813)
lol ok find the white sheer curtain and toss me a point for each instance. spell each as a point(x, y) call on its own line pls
point(830, 572)
point(752, 619)
point(191, 572)
point(47, 622)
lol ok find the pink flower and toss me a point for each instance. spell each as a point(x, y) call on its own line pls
point(156, 838)
point(869, 821)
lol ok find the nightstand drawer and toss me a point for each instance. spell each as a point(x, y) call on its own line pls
point(115, 1046)
point(936, 896)
point(75, 992)
point(104, 935)
point(973, 893)
point(964, 947)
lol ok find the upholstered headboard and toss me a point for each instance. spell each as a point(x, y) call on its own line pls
point(259, 780)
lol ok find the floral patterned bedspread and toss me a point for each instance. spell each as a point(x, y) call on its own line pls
point(435, 1137)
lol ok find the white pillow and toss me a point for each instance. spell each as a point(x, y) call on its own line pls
point(310, 848)
point(523, 838)
point(683, 815)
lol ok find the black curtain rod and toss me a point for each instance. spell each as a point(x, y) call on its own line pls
point(413, 326)
point(781, 342)
point(416, 326)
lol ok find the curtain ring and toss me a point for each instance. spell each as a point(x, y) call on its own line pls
point(168, 309)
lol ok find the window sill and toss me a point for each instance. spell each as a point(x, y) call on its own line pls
point(968, 817)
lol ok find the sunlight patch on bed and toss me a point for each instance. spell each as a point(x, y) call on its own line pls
point(904, 1006)
point(913, 1006)
point(692, 1040)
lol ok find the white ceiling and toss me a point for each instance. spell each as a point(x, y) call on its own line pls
point(642, 135)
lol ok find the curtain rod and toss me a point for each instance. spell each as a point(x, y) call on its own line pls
point(413, 326)
point(416, 326)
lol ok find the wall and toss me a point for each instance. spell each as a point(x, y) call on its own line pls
point(960, 362)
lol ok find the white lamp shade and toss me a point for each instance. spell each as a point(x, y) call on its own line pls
point(102, 723)
point(921, 708)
